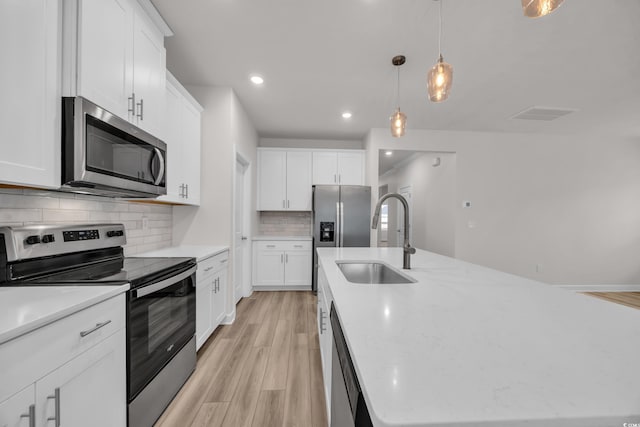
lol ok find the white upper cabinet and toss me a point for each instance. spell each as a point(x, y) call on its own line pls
point(149, 65)
point(272, 180)
point(30, 83)
point(284, 180)
point(338, 167)
point(105, 54)
point(115, 57)
point(182, 136)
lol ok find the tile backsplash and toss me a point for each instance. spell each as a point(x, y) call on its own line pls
point(26, 207)
point(284, 224)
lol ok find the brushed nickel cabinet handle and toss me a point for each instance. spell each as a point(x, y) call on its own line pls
point(132, 99)
point(95, 328)
point(31, 415)
point(271, 246)
point(56, 398)
point(208, 269)
point(140, 113)
point(281, 258)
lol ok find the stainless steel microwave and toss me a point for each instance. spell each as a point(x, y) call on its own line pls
point(105, 155)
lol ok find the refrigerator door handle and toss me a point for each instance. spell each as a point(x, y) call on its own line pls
point(341, 221)
point(338, 224)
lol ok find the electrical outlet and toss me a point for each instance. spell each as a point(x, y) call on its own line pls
point(538, 268)
point(145, 223)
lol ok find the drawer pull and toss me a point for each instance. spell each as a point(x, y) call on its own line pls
point(95, 328)
point(224, 260)
point(271, 246)
point(208, 269)
point(297, 246)
point(31, 415)
point(56, 398)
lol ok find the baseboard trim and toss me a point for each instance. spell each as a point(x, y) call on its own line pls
point(229, 318)
point(600, 288)
point(281, 288)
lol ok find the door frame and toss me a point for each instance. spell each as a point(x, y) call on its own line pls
point(245, 286)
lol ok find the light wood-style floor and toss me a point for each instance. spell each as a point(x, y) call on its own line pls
point(631, 299)
point(264, 370)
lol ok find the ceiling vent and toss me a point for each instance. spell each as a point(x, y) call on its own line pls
point(542, 113)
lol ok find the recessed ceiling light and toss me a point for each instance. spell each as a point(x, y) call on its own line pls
point(256, 80)
point(346, 115)
point(388, 153)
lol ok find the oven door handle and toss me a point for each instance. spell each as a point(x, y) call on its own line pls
point(155, 287)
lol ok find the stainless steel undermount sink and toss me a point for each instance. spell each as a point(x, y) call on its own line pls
point(372, 272)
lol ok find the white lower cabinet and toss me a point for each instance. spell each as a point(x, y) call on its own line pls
point(87, 390)
point(19, 409)
point(211, 295)
point(325, 335)
point(70, 373)
point(282, 263)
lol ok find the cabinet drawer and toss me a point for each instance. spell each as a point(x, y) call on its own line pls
point(297, 246)
point(283, 245)
point(35, 354)
point(208, 267)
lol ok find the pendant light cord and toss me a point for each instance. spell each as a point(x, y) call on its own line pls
point(398, 87)
point(440, 30)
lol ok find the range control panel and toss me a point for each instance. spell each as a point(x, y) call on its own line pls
point(73, 236)
point(35, 241)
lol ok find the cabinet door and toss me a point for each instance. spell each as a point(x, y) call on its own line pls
point(15, 411)
point(173, 138)
point(269, 268)
point(297, 271)
point(325, 168)
point(204, 307)
point(89, 390)
point(219, 297)
point(351, 168)
point(105, 54)
point(299, 180)
point(191, 152)
point(31, 89)
point(272, 180)
point(148, 74)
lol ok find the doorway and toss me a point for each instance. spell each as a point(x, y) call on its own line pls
point(240, 227)
point(406, 193)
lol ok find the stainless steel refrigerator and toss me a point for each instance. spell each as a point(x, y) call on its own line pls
point(341, 218)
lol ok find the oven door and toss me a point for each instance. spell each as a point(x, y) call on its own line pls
point(161, 320)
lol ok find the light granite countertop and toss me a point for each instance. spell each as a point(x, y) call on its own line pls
point(200, 252)
point(471, 346)
point(26, 308)
point(301, 238)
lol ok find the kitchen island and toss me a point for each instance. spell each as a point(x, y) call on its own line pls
point(470, 346)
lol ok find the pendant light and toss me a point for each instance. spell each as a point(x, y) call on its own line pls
point(538, 8)
point(440, 76)
point(398, 119)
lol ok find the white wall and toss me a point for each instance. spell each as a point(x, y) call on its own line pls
point(569, 204)
point(433, 201)
point(312, 143)
point(226, 129)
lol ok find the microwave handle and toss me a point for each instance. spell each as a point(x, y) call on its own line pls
point(155, 287)
point(162, 166)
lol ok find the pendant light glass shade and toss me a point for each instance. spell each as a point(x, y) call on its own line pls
point(398, 119)
point(398, 123)
point(538, 8)
point(439, 81)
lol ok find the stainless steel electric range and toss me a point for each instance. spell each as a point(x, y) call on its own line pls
point(161, 349)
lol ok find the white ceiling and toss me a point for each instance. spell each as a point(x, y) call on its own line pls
point(321, 57)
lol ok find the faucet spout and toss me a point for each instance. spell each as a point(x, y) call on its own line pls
point(407, 249)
